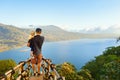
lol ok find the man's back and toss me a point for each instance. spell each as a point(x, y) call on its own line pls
point(37, 43)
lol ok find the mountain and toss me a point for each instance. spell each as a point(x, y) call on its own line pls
point(54, 33)
point(12, 36)
point(12, 33)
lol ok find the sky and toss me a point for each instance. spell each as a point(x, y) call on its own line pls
point(67, 14)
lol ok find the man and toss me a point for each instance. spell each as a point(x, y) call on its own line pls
point(36, 44)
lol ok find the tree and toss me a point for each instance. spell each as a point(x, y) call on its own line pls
point(85, 74)
point(66, 68)
point(111, 71)
point(112, 50)
point(69, 71)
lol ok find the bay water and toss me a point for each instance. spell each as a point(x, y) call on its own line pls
point(77, 52)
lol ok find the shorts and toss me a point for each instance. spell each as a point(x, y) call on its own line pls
point(36, 59)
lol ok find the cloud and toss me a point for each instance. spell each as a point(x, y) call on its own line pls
point(99, 29)
point(114, 29)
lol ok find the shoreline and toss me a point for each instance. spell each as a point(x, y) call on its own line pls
point(11, 47)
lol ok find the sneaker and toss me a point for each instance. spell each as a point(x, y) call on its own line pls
point(38, 74)
point(34, 74)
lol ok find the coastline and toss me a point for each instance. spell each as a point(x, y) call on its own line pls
point(11, 47)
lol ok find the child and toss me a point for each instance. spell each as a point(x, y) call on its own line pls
point(32, 34)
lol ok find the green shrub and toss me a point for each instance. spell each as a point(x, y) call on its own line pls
point(6, 65)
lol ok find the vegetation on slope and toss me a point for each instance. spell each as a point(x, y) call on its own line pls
point(104, 67)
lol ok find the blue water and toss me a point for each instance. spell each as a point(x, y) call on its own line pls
point(77, 52)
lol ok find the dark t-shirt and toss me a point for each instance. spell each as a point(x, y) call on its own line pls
point(36, 44)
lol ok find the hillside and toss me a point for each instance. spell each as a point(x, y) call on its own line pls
point(54, 33)
point(11, 36)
